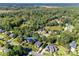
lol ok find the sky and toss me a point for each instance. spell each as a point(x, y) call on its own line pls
point(39, 1)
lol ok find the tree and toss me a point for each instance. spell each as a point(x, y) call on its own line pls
point(18, 51)
point(17, 40)
point(65, 39)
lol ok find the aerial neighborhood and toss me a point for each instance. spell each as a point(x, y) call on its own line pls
point(39, 31)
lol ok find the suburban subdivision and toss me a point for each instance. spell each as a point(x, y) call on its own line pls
point(39, 29)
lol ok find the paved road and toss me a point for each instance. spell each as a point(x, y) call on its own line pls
point(37, 54)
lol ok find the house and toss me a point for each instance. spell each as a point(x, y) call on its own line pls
point(1, 30)
point(38, 44)
point(8, 41)
point(7, 33)
point(41, 31)
point(12, 35)
point(31, 39)
point(51, 48)
point(73, 46)
point(69, 27)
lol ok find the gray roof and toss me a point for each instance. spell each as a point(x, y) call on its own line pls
point(51, 48)
point(1, 30)
point(73, 44)
point(38, 44)
point(8, 41)
point(12, 35)
point(7, 33)
point(31, 39)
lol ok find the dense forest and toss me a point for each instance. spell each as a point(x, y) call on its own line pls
point(21, 28)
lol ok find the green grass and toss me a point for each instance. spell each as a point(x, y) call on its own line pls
point(62, 51)
point(5, 36)
point(54, 28)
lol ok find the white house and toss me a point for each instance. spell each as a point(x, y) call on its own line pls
point(73, 46)
point(69, 27)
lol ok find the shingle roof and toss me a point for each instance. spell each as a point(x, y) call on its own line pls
point(38, 44)
point(1, 30)
point(51, 48)
point(12, 35)
point(7, 33)
point(31, 39)
point(9, 41)
point(73, 44)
